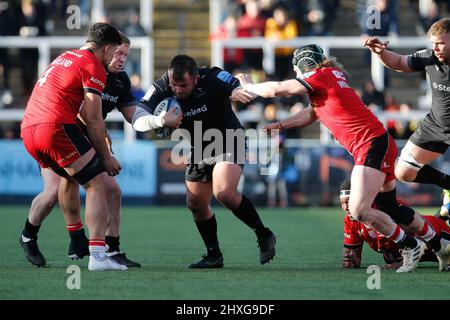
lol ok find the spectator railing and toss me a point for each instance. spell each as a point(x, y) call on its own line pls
point(327, 43)
point(45, 44)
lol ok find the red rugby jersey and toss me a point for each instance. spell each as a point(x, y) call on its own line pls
point(355, 233)
point(59, 92)
point(340, 109)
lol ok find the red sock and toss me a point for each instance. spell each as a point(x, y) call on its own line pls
point(75, 227)
point(427, 232)
point(397, 235)
point(96, 242)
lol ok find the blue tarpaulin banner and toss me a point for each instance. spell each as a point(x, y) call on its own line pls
point(19, 172)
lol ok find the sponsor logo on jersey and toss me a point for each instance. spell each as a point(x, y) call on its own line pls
point(195, 111)
point(225, 77)
point(75, 54)
point(441, 87)
point(70, 155)
point(97, 81)
point(108, 97)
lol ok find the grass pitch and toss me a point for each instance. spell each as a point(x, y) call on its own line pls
point(165, 241)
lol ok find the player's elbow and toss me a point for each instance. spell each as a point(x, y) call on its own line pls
point(138, 120)
point(139, 124)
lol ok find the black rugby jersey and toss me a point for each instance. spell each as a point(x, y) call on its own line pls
point(208, 104)
point(117, 93)
point(439, 74)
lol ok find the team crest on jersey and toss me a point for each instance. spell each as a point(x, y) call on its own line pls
point(225, 76)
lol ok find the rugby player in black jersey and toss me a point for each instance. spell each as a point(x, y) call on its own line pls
point(117, 94)
point(204, 96)
point(432, 137)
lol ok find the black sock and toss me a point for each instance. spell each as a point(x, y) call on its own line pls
point(208, 231)
point(429, 175)
point(387, 202)
point(30, 231)
point(78, 235)
point(246, 212)
point(407, 242)
point(113, 243)
point(435, 243)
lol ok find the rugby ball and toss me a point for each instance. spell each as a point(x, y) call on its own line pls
point(161, 109)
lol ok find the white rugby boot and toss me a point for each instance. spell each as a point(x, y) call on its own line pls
point(101, 262)
point(411, 257)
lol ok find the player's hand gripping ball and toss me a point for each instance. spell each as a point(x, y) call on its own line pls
point(161, 109)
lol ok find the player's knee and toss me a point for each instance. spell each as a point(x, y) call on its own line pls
point(357, 215)
point(228, 198)
point(113, 190)
point(407, 166)
point(195, 206)
point(51, 197)
point(47, 198)
point(359, 210)
point(405, 174)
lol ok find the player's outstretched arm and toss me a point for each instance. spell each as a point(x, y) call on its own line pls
point(351, 258)
point(301, 119)
point(271, 89)
point(241, 95)
point(390, 59)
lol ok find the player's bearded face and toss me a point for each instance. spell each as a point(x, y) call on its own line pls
point(182, 88)
point(441, 46)
point(119, 58)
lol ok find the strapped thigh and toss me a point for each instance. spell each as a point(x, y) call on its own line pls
point(90, 171)
point(407, 159)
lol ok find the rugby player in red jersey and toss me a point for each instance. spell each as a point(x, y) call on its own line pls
point(116, 95)
point(356, 233)
point(72, 85)
point(355, 127)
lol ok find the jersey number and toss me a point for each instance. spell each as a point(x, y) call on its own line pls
point(44, 76)
point(339, 74)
